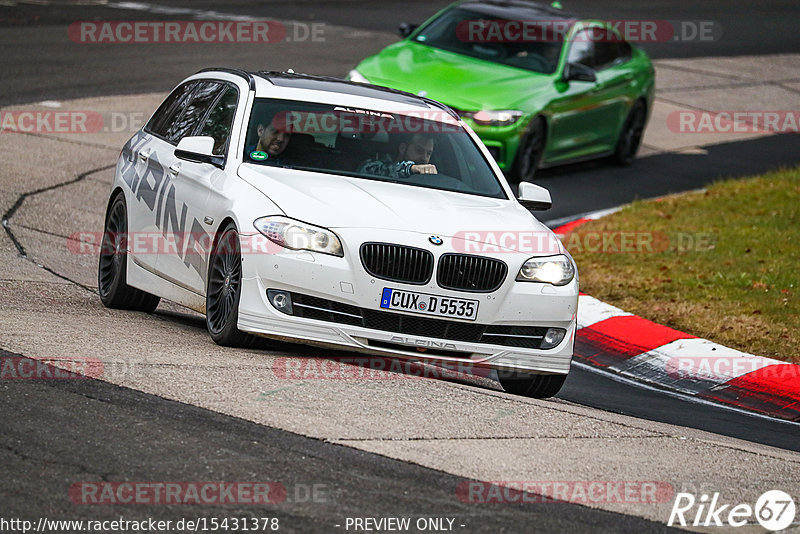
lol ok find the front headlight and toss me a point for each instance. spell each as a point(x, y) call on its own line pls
point(355, 76)
point(494, 118)
point(298, 235)
point(556, 270)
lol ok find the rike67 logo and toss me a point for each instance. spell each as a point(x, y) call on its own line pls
point(774, 510)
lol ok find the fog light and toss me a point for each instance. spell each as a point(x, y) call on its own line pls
point(281, 300)
point(553, 337)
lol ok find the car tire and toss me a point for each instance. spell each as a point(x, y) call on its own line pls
point(529, 155)
point(631, 135)
point(223, 292)
point(113, 263)
point(531, 385)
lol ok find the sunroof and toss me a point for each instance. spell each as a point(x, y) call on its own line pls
point(303, 81)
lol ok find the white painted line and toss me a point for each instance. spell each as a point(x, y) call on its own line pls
point(591, 311)
point(602, 213)
point(200, 14)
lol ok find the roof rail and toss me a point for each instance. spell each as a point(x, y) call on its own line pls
point(238, 72)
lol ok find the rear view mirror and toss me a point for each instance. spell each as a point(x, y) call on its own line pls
point(534, 197)
point(405, 29)
point(579, 73)
point(200, 149)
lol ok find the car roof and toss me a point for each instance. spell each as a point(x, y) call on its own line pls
point(329, 84)
point(516, 9)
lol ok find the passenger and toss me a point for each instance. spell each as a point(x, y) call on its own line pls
point(413, 157)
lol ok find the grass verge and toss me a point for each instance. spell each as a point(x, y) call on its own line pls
point(720, 264)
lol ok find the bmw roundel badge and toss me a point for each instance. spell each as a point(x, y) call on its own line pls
point(435, 240)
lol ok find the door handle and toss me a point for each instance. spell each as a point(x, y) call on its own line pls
point(174, 169)
point(144, 155)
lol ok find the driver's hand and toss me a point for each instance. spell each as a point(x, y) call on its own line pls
point(424, 169)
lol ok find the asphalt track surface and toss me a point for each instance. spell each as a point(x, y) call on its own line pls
point(199, 445)
point(39, 63)
point(53, 424)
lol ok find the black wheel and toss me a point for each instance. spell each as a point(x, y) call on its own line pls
point(530, 151)
point(112, 268)
point(631, 136)
point(531, 385)
point(224, 290)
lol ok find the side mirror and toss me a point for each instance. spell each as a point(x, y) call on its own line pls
point(579, 73)
point(534, 197)
point(405, 29)
point(200, 149)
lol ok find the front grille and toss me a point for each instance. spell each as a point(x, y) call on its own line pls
point(477, 274)
point(337, 312)
point(397, 263)
point(529, 337)
point(326, 310)
point(422, 326)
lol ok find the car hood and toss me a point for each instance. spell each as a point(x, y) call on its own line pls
point(336, 201)
point(457, 80)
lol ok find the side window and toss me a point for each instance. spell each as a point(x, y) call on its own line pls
point(582, 49)
point(169, 109)
point(202, 98)
point(219, 122)
point(625, 52)
point(608, 49)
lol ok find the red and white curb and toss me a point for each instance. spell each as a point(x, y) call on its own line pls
point(621, 343)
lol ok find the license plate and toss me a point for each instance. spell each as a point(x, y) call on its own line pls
point(422, 303)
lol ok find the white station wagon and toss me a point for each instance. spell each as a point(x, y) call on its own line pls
point(343, 215)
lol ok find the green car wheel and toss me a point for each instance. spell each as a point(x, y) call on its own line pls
point(530, 154)
point(631, 136)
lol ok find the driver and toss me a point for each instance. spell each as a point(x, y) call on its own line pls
point(413, 157)
point(273, 138)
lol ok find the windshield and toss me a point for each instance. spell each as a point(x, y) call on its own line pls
point(496, 39)
point(428, 148)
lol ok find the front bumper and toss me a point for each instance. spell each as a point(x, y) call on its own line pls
point(502, 141)
point(344, 280)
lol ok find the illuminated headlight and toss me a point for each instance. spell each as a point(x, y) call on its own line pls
point(298, 235)
point(494, 118)
point(355, 76)
point(556, 270)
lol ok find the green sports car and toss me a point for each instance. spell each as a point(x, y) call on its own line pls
point(539, 87)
